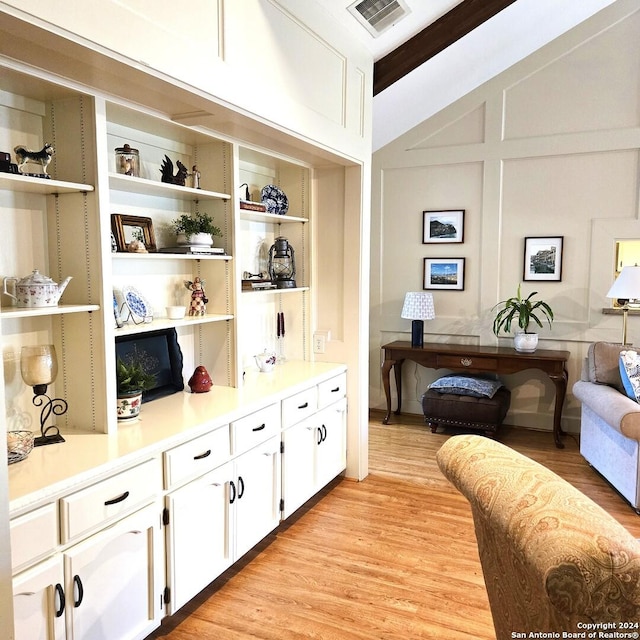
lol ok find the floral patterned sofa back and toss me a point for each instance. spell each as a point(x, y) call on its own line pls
point(552, 559)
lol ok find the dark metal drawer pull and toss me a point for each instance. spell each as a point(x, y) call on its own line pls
point(121, 498)
point(303, 406)
point(60, 592)
point(206, 454)
point(78, 583)
point(260, 428)
point(335, 390)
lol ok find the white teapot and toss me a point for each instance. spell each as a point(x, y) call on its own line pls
point(266, 361)
point(35, 290)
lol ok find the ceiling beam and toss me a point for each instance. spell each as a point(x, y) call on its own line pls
point(446, 30)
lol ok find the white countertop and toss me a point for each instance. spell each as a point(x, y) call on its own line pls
point(84, 458)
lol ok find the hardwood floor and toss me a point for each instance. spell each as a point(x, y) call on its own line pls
point(393, 557)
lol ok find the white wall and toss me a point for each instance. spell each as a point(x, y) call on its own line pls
point(549, 147)
point(254, 54)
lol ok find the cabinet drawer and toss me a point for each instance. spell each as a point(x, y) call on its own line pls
point(108, 499)
point(464, 361)
point(255, 428)
point(194, 458)
point(33, 535)
point(332, 390)
point(298, 407)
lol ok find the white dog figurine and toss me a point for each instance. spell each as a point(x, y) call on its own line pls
point(42, 157)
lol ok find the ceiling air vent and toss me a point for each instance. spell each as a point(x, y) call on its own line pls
point(377, 16)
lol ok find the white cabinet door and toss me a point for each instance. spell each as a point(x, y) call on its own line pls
point(331, 438)
point(256, 502)
point(197, 535)
point(113, 580)
point(39, 602)
point(298, 465)
point(314, 454)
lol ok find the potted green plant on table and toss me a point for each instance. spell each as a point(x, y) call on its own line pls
point(196, 229)
point(524, 311)
point(134, 375)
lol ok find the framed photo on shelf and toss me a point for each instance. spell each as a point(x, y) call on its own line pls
point(443, 226)
point(444, 273)
point(543, 258)
point(127, 229)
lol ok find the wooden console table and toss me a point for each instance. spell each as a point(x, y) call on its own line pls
point(473, 359)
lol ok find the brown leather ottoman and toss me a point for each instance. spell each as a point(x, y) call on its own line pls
point(466, 412)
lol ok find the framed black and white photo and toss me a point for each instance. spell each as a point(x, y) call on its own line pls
point(444, 273)
point(543, 258)
point(442, 226)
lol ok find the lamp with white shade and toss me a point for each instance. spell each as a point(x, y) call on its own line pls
point(626, 287)
point(418, 307)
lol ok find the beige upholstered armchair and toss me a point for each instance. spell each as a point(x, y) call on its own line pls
point(552, 559)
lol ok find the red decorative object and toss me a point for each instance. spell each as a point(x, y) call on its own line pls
point(200, 381)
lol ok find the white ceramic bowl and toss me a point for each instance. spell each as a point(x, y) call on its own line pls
point(175, 313)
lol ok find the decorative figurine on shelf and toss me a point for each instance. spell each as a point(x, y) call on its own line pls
point(198, 297)
point(166, 169)
point(200, 381)
point(42, 157)
point(195, 177)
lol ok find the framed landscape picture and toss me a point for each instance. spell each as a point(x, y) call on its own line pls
point(444, 273)
point(442, 226)
point(543, 258)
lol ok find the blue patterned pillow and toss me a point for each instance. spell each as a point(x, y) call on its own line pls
point(630, 373)
point(462, 385)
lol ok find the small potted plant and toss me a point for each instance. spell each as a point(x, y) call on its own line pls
point(133, 377)
point(196, 229)
point(525, 311)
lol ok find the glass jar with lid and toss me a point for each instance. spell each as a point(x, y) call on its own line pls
point(128, 161)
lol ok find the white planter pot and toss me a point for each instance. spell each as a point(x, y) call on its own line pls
point(525, 342)
point(201, 239)
point(129, 406)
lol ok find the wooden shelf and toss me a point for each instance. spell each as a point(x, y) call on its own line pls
point(28, 184)
point(259, 216)
point(120, 182)
point(166, 323)
point(25, 312)
point(275, 291)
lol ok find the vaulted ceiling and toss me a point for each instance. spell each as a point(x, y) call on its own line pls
point(434, 38)
point(443, 49)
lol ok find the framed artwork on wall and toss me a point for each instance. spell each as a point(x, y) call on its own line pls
point(543, 258)
point(444, 273)
point(442, 226)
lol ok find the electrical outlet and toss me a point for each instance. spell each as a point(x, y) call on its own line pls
point(319, 342)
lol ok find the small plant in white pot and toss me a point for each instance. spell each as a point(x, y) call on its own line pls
point(196, 229)
point(133, 377)
point(524, 311)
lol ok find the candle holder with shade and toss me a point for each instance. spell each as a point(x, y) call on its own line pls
point(39, 368)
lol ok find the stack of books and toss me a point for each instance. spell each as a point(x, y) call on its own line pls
point(257, 285)
point(193, 249)
point(252, 206)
